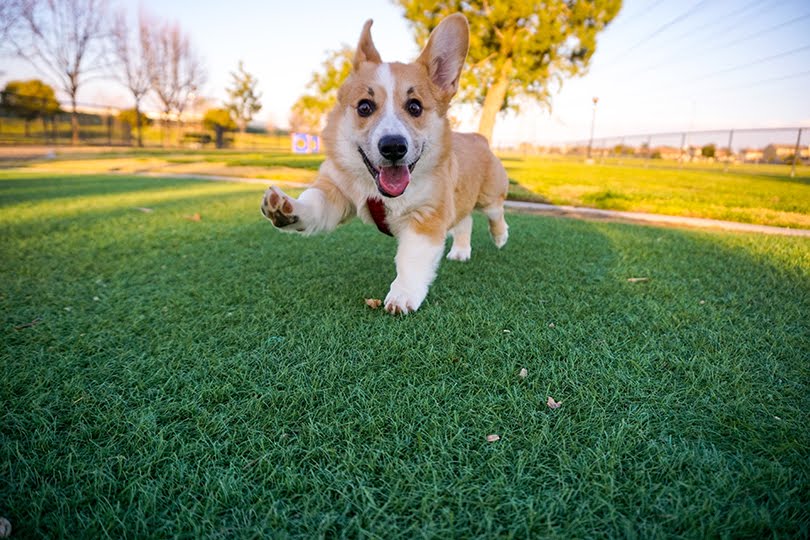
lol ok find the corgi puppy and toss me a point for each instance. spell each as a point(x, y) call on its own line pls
point(392, 160)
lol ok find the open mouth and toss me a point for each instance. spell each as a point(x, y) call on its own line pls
point(391, 181)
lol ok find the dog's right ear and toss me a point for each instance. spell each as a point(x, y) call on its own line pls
point(366, 51)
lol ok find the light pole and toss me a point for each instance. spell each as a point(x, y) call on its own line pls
point(593, 122)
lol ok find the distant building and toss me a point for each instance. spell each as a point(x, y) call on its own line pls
point(751, 155)
point(722, 154)
point(777, 153)
point(667, 152)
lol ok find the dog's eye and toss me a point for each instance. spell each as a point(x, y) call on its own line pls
point(413, 107)
point(365, 108)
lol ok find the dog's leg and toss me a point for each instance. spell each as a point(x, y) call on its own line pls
point(461, 249)
point(498, 228)
point(319, 208)
point(417, 259)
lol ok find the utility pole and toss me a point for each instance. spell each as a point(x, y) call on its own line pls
point(728, 155)
point(593, 122)
point(796, 151)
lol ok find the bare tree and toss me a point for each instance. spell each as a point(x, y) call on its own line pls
point(67, 42)
point(10, 18)
point(132, 66)
point(175, 71)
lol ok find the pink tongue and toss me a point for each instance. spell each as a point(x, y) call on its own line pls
point(394, 180)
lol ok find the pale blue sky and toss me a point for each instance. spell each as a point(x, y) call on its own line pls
point(663, 65)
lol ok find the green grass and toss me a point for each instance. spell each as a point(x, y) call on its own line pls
point(761, 194)
point(747, 193)
point(217, 378)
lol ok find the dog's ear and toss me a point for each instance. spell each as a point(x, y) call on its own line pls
point(446, 51)
point(366, 51)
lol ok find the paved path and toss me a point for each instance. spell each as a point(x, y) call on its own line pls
point(654, 219)
point(564, 211)
point(548, 209)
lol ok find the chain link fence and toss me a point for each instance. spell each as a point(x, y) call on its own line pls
point(716, 148)
point(33, 120)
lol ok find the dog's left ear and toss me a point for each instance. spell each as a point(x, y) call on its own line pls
point(366, 51)
point(445, 53)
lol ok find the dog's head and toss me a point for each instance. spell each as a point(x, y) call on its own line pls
point(390, 116)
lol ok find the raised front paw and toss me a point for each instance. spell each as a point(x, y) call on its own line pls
point(278, 208)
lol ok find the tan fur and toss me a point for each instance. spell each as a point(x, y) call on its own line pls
point(453, 173)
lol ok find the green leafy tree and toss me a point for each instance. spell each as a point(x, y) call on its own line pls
point(309, 111)
point(30, 100)
point(244, 101)
point(708, 151)
point(134, 117)
point(517, 48)
point(219, 118)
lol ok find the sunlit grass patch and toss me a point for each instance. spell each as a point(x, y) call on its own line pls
point(165, 376)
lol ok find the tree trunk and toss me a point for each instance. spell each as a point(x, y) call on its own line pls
point(44, 128)
point(74, 121)
point(165, 129)
point(494, 101)
point(138, 124)
point(27, 128)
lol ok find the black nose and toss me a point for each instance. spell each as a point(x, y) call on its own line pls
point(393, 147)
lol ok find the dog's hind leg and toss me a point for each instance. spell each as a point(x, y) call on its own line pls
point(461, 249)
point(498, 228)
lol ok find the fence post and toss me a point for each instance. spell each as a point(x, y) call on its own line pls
point(649, 150)
point(796, 153)
point(109, 127)
point(683, 148)
point(728, 150)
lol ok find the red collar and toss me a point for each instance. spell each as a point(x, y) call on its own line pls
point(377, 210)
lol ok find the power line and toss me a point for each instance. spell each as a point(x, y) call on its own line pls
point(767, 30)
point(665, 63)
point(751, 63)
point(644, 10)
point(764, 81)
point(691, 11)
point(731, 16)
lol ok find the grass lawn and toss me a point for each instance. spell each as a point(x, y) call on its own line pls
point(216, 378)
point(762, 194)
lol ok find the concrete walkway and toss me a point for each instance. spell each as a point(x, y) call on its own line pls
point(652, 219)
point(554, 210)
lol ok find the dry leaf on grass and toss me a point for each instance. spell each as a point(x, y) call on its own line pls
point(143, 209)
point(523, 373)
point(28, 324)
point(552, 325)
point(553, 404)
point(373, 303)
point(493, 438)
point(637, 279)
point(194, 217)
point(5, 528)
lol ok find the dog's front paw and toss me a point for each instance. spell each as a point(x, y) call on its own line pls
point(401, 302)
point(459, 254)
point(278, 208)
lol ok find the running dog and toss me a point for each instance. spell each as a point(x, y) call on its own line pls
point(392, 160)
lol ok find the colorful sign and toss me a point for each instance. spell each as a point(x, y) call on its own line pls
point(304, 143)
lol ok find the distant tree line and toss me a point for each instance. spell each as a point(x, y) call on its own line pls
point(72, 41)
